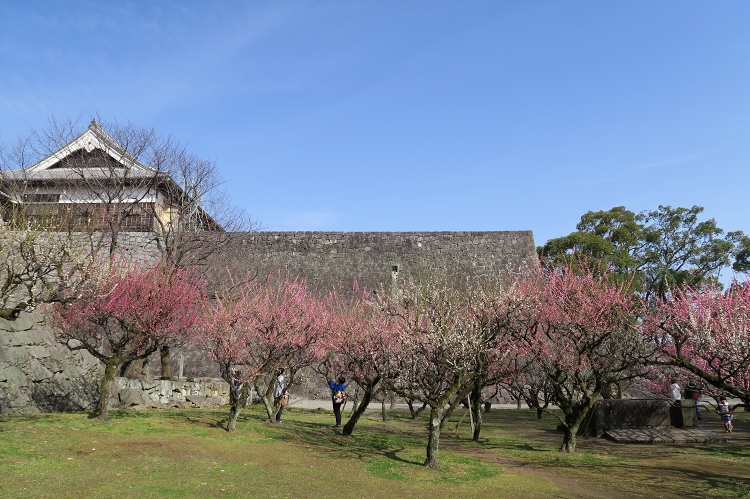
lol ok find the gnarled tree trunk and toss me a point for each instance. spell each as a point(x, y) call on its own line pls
point(166, 364)
point(265, 397)
point(569, 441)
point(361, 408)
point(476, 407)
point(415, 412)
point(433, 441)
point(109, 374)
point(237, 400)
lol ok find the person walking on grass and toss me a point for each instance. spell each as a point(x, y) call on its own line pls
point(279, 394)
point(726, 414)
point(338, 397)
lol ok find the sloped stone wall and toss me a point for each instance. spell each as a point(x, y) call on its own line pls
point(39, 374)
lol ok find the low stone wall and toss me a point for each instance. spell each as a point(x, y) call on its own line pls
point(615, 414)
point(164, 393)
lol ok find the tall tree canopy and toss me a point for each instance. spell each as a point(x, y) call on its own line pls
point(665, 248)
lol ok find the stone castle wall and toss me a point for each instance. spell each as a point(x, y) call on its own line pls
point(328, 259)
point(38, 374)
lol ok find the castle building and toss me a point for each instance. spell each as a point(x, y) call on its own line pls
point(93, 181)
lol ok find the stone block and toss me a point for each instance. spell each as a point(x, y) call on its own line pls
point(39, 352)
point(23, 322)
point(17, 355)
point(12, 377)
point(19, 401)
point(73, 343)
point(197, 400)
point(38, 372)
point(130, 397)
point(63, 384)
point(19, 338)
point(60, 352)
point(54, 365)
point(85, 361)
point(40, 337)
point(165, 388)
point(70, 372)
point(630, 413)
point(83, 401)
point(149, 384)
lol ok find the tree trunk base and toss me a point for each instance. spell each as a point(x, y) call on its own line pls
point(431, 464)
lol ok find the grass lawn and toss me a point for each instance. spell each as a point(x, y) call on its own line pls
point(187, 453)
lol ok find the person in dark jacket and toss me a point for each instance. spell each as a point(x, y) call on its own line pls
point(692, 391)
point(338, 397)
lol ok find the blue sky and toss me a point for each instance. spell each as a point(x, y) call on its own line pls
point(403, 116)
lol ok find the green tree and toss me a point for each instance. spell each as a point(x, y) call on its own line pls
point(742, 252)
point(664, 248)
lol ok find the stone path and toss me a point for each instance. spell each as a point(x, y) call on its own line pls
point(325, 403)
point(664, 436)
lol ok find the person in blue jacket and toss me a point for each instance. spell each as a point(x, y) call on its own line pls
point(338, 397)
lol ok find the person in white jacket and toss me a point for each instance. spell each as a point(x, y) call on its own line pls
point(674, 391)
point(279, 394)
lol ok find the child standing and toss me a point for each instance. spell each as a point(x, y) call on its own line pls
point(726, 415)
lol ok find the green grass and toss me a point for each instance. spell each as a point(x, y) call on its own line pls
point(187, 453)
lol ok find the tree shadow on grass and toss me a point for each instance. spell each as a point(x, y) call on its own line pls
point(675, 479)
point(387, 442)
point(28, 418)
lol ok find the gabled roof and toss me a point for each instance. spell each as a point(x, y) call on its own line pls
point(61, 166)
point(93, 138)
